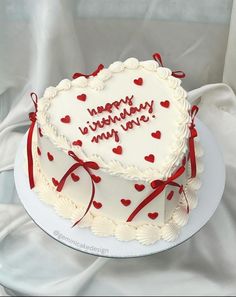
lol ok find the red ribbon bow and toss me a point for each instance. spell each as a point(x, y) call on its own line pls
point(87, 166)
point(94, 73)
point(32, 117)
point(193, 134)
point(159, 186)
point(177, 73)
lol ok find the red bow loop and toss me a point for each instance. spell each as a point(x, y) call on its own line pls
point(156, 183)
point(177, 73)
point(157, 57)
point(87, 166)
point(94, 73)
point(73, 155)
point(91, 165)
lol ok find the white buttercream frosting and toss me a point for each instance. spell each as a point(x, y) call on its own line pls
point(50, 92)
point(174, 82)
point(180, 93)
point(77, 214)
point(125, 232)
point(81, 82)
point(169, 232)
point(192, 198)
point(148, 234)
point(180, 216)
point(103, 226)
point(150, 65)
point(65, 207)
point(194, 183)
point(131, 63)
point(96, 84)
point(104, 74)
point(64, 84)
point(46, 194)
point(117, 67)
point(163, 72)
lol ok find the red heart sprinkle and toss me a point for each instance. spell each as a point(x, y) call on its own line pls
point(125, 202)
point(170, 195)
point(139, 188)
point(75, 177)
point(82, 97)
point(138, 81)
point(55, 182)
point(117, 150)
point(77, 142)
point(165, 104)
point(38, 151)
point(97, 205)
point(50, 157)
point(96, 178)
point(66, 119)
point(153, 215)
point(150, 158)
point(156, 134)
point(40, 132)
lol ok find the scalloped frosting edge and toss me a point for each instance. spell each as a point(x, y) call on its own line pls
point(145, 233)
point(178, 147)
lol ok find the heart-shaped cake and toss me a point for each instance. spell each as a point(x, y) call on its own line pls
point(123, 131)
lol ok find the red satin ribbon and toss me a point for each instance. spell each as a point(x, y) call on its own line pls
point(159, 186)
point(87, 166)
point(177, 73)
point(32, 117)
point(193, 134)
point(94, 73)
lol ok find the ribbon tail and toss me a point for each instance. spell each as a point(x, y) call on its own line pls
point(192, 157)
point(63, 179)
point(186, 200)
point(90, 202)
point(30, 156)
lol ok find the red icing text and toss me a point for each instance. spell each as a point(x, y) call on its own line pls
point(122, 118)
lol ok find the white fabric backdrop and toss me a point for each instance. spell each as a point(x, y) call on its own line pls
point(45, 41)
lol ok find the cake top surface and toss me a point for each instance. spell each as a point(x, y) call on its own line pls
point(131, 118)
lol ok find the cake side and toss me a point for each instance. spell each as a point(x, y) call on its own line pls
point(146, 232)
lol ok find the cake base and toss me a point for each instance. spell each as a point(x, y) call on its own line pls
point(209, 196)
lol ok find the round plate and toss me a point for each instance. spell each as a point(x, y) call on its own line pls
point(209, 196)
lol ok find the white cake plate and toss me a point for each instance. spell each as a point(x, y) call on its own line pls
point(209, 196)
